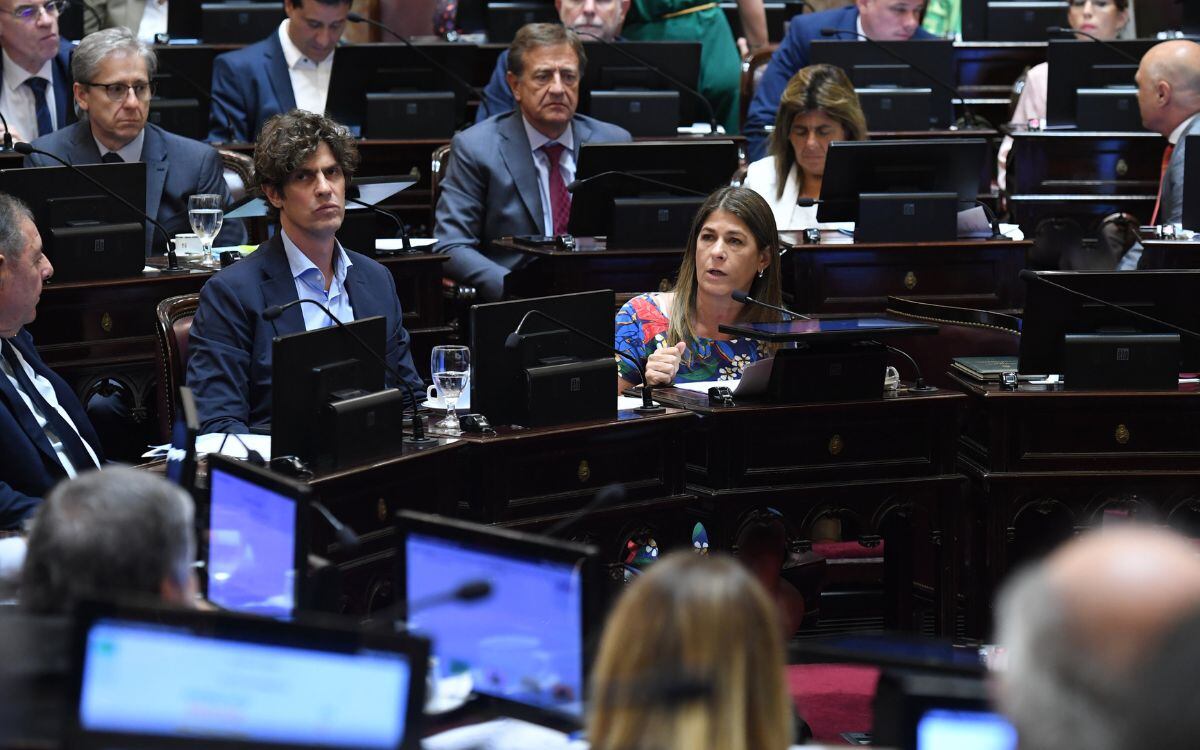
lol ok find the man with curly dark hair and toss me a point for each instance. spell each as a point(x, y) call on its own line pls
point(303, 164)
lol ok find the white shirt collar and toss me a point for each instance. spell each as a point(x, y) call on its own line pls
point(858, 25)
point(15, 75)
point(537, 140)
point(1178, 132)
point(131, 151)
point(292, 54)
point(299, 263)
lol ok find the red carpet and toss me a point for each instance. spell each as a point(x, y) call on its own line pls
point(833, 698)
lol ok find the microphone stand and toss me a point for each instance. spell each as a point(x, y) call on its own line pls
point(576, 184)
point(357, 18)
point(746, 299)
point(407, 246)
point(1102, 42)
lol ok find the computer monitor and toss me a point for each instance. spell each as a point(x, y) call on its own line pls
point(549, 375)
point(1191, 183)
point(182, 101)
point(257, 538)
point(1052, 315)
point(1097, 78)
point(951, 729)
point(1024, 20)
point(387, 90)
point(529, 643)
point(505, 19)
point(313, 370)
point(182, 678)
point(615, 74)
point(86, 234)
point(950, 166)
point(181, 458)
point(635, 213)
point(880, 74)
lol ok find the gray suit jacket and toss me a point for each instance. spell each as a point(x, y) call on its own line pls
point(1171, 210)
point(490, 191)
point(176, 168)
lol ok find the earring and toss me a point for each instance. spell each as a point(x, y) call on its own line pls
point(761, 272)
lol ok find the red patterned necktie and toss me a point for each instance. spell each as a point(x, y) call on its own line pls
point(560, 199)
point(1161, 178)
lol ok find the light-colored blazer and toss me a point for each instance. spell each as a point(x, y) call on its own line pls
point(760, 177)
point(127, 13)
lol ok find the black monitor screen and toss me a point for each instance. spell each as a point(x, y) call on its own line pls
point(911, 64)
point(1085, 64)
point(608, 70)
point(1024, 21)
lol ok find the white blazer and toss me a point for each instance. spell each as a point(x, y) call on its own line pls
point(760, 177)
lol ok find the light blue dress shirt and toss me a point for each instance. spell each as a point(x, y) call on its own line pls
point(310, 284)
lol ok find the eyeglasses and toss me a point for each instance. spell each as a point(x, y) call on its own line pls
point(30, 13)
point(118, 91)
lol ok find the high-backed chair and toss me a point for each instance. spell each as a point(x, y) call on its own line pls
point(963, 332)
point(753, 67)
point(459, 297)
point(173, 323)
point(239, 176)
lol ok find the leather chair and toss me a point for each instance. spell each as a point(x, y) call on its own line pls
point(173, 323)
point(963, 332)
point(459, 297)
point(753, 67)
point(241, 167)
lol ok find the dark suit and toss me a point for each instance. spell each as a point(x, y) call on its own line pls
point(491, 190)
point(29, 467)
point(229, 368)
point(64, 98)
point(176, 168)
point(249, 86)
point(792, 55)
point(1171, 209)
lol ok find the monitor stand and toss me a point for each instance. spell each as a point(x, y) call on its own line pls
point(834, 371)
point(907, 217)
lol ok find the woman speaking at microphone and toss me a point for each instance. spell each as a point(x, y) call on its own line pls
point(733, 246)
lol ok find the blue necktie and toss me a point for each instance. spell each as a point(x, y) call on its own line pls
point(71, 441)
point(45, 124)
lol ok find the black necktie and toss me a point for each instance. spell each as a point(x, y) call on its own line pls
point(72, 443)
point(41, 106)
point(112, 157)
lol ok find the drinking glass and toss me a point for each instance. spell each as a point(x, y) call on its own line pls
point(206, 213)
point(451, 368)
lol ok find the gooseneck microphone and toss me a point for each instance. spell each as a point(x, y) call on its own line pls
point(576, 184)
point(968, 118)
point(919, 385)
point(740, 296)
point(708, 107)
point(995, 222)
point(8, 139)
point(172, 259)
point(396, 616)
point(1065, 30)
point(1029, 277)
point(404, 238)
point(357, 18)
point(647, 407)
point(345, 535)
point(418, 430)
point(609, 495)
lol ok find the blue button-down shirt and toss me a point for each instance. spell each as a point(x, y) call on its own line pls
point(310, 284)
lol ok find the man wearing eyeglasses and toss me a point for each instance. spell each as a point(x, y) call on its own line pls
point(35, 96)
point(113, 72)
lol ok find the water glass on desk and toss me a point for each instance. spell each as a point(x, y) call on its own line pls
point(451, 368)
point(206, 213)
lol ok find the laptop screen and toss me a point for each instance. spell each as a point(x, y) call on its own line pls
point(148, 679)
point(524, 642)
point(252, 543)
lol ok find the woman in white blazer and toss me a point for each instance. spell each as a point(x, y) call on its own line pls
point(818, 106)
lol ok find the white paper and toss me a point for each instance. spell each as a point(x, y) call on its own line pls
point(211, 443)
point(754, 380)
point(398, 244)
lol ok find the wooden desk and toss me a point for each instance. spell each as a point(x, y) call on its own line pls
point(1083, 175)
point(1046, 463)
point(882, 467)
point(1170, 254)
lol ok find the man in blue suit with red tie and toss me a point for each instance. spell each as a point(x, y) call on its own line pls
point(45, 435)
point(880, 20)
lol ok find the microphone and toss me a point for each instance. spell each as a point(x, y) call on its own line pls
point(1029, 276)
point(418, 430)
point(807, 202)
point(213, 104)
point(968, 118)
point(576, 184)
point(357, 18)
point(1056, 30)
point(918, 384)
point(172, 259)
point(611, 494)
point(8, 139)
point(647, 406)
point(740, 296)
point(407, 246)
point(708, 107)
point(345, 535)
point(397, 614)
point(996, 233)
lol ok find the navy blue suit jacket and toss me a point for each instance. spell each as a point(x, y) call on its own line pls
point(64, 96)
point(790, 57)
point(229, 365)
point(176, 168)
point(29, 467)
point(249, 86)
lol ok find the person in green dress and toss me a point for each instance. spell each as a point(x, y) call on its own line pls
point(704, 22)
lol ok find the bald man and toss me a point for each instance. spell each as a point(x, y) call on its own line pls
point(1078, 624)
point(1168, 82)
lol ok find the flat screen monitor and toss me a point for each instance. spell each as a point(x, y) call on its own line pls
point(1051, 314)
point(1191, 183)
point(529, 642)
point(307, 368)
point(257, 538)
point(392, 68)
point(950, 165)
point(870, 67)
point(181, 458)
point(951, 729)
point(177, 678)
point(498, 372)
point(86, 234)
point(1076, 65)
point(1025, 20)
point(505, 19)
point(182, 101)
point(609, 70)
